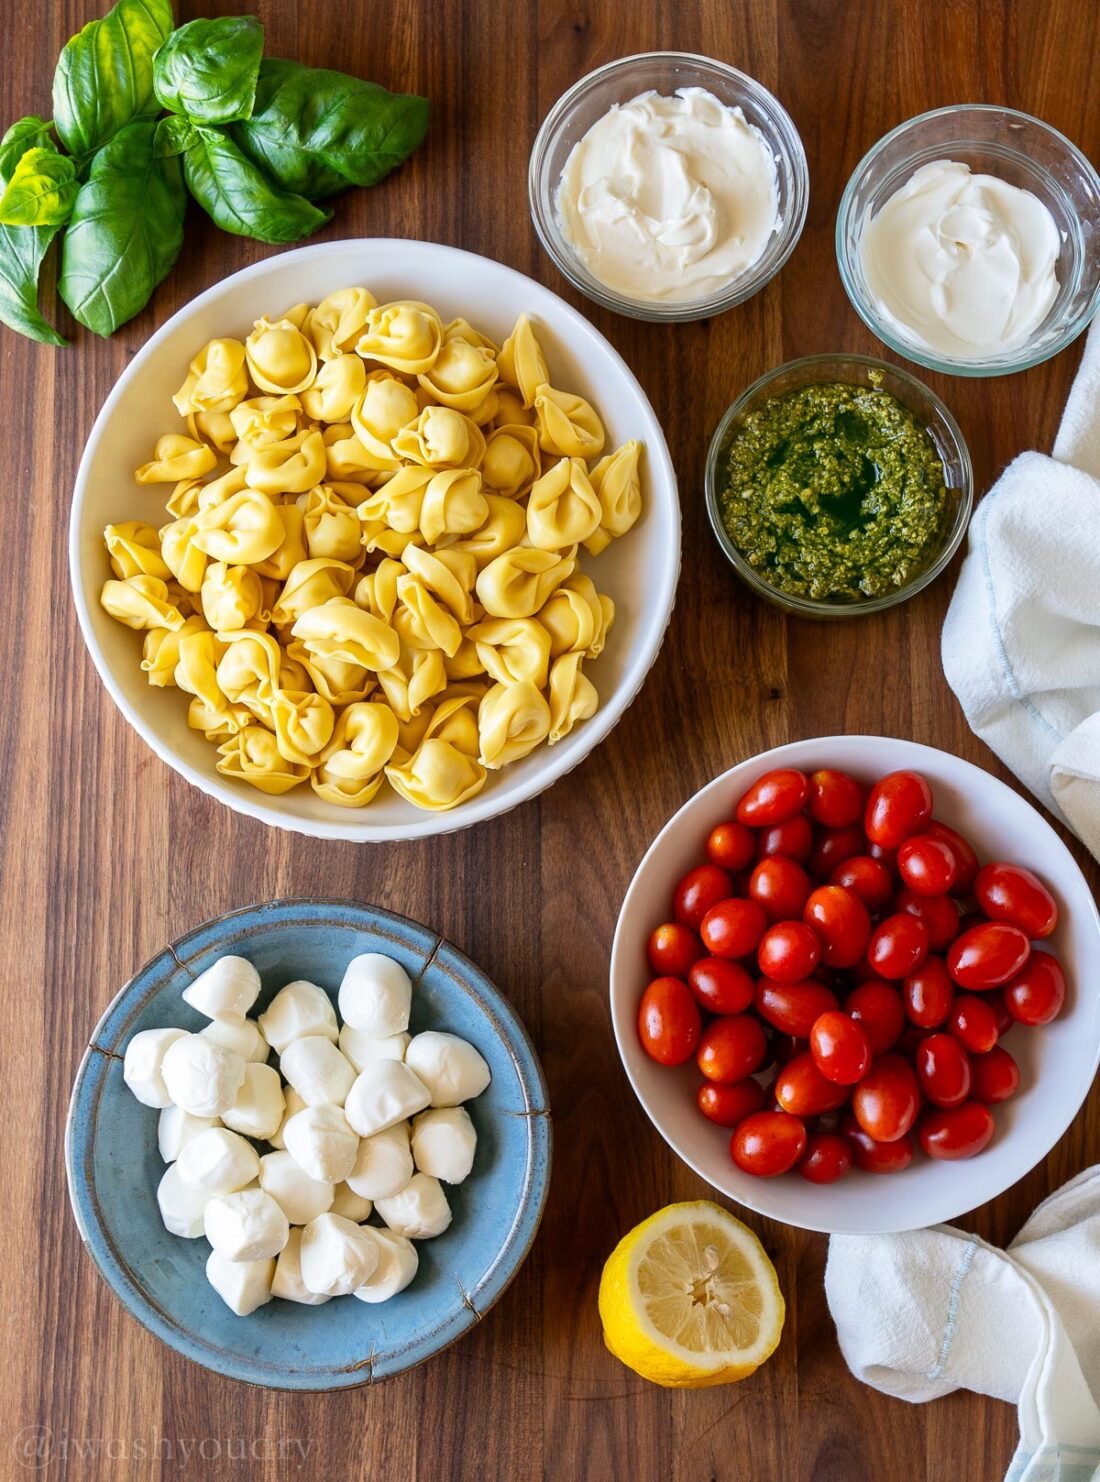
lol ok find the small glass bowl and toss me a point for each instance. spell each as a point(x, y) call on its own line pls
point(1025, 152)
point(664, 71)
point(854, 369)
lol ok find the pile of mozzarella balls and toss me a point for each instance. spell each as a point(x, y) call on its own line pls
point(358, 1116)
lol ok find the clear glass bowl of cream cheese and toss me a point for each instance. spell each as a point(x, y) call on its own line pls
point(668, 186)
point(968, 240)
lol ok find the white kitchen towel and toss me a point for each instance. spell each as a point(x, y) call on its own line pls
point(1021, 644)
point(921, 1314)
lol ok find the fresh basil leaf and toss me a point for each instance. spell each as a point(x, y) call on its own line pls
point(239, 197)
point(207, 69)
point(41, 191)
point(316, 131)
point(126, 230)
point(22, 249)
point(104, 76)
point(174, 135)
point(31, 132)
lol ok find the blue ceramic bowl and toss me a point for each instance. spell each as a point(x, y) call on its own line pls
point(113, 1164)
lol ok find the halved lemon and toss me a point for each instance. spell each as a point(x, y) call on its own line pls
point(689, 1298)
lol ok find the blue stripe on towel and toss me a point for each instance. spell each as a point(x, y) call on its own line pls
point(1055, 1464)
point(953, 1309)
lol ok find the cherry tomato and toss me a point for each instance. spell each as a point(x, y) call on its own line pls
point(887, 1099)
point(928, 993)
point(828, 1157)
point(840, 920)
point(994, 1076)
point(876, 1157)
point(966, 860)
point(728, 1105)
point(938, 912)
point(840, 1047)
point(672, 949)
point(700, 889)
point(899, 806)
point(1010, 893)
point(793, 1008)
point(731, 845)
point(877, 1006)
point(669, 1022)
point(943, 1070)
point(836, 800)
point(987, 956)
point(768, 1143)
point(720, 985)
point(832, 847)
point(780, 886)
point(1036, 996)
point(802, 1090)
point(792, 839)
point(866, 877)
point(973, 1021)
point(731, 1048)
point(788, 952)
point(773, 798)
point(898, 946)
point(733, 928)
point(927, 865)
point(961, 1132)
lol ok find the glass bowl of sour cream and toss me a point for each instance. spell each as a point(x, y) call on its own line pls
point(968, 239)
point(668, 186)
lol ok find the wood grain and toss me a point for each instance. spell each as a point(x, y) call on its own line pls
point(106, 854)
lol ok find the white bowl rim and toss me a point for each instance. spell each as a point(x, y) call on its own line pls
point(623, 1017)
point(560, 760)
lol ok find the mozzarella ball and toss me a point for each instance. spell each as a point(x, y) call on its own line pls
point(451, 1068)
point(397, 1263)
point(320, 1141)
point(288, 1282)
point(384, 1163)
point(202, 1077)
point(351, 1205)
point(246, 1226)
point(444, 1143)
point(317, 1070)
point(376, 995)
point(181, 1206)
point(242, 1035)
point(225, 991)
point(292, 1104)
point(143, 1065)
point(259, 1105)
point(242, 1285)
point(300, 1197)
point(218, 1162)
point(385, 1092)
point(419, 1211)
point(336, 1255)
point(299, 1009)
point(176, 1128)
point(362, 1048)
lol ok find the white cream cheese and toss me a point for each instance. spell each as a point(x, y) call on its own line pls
point(669, 198)
point(960, 264)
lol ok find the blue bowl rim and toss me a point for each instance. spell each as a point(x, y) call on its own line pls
point(126, 1287)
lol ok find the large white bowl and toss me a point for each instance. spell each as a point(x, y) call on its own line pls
point(639, 571)
point(1057, 1062)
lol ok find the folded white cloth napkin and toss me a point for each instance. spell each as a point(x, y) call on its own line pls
point(922, 1314)
point(1021, 644)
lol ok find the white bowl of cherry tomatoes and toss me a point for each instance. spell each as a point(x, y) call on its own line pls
point(854, 957)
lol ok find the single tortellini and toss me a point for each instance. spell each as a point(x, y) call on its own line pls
point(231, 595)
point(509, 408)
point(183, 556)
point(384, 407)
point(216, 379)
point(134, 550)
point(522, 363)
point(504, 527)
point(177, 457)
point(411, 683)
point(398, 502)
point(512, 649)
point(512, 461)
point(338, 681)
point(261, 421)
point(601, 607)
point(331, 526)
point(462, 374)
point(571, 622)
point(248, 670)
point(335, 389)
point(196, 667)
point(218, 490)
point(465, 663)
point(243, 529)
point(141, 602)
point(449, 573)
point(618, 487)
point(563, 509)
point(215, 428)
point(512, 720)
point(303, 721)
point(377, 591)
point(291, 551)
point(520, 581)
point(441, 438)
point(444, 770)
point(281, 359)
point(405, 335)
point(453, 504)
point(350, 768)
point(184, 498)
point(339, 629)
point(421, 620)
point(567, 424)
point(290, 467)
point(573, 696)
point(252, 755)
point(160, 653)
point(348, 461)
point(217, 723)
point(337, 321)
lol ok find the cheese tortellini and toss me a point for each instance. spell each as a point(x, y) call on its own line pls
point(366, 572)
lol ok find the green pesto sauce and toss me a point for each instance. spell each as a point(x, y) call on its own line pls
point(834, 492)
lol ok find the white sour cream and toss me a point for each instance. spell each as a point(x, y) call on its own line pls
point(960, 264)
point(669, 198)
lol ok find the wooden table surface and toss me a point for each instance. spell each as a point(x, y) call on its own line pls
point(106, 854)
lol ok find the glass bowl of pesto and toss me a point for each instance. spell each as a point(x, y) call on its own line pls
point(838, 485)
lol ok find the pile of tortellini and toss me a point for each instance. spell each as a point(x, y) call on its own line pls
point(370, 569)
